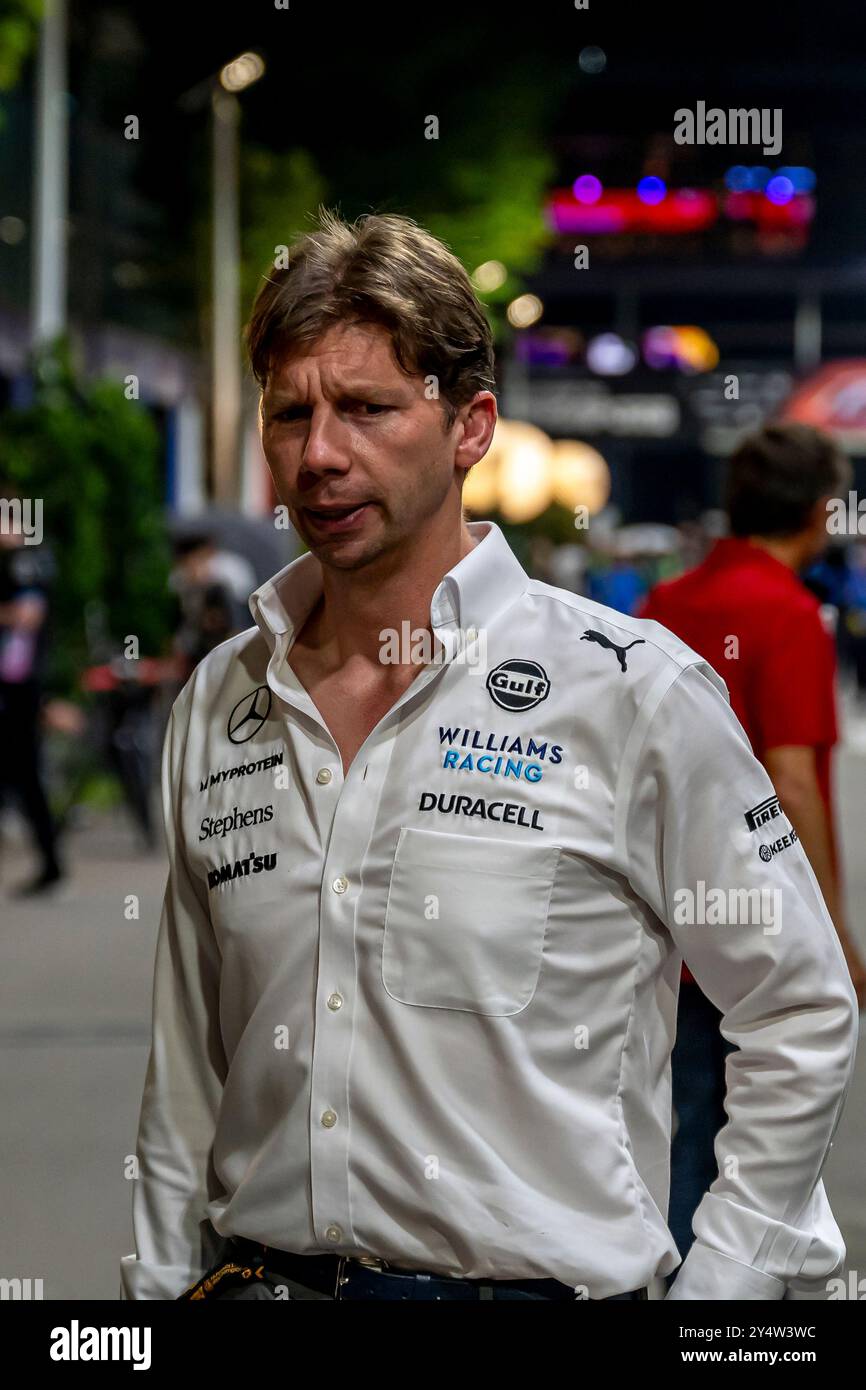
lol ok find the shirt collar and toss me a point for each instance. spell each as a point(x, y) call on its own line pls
point(479, 586)
point(735, 550)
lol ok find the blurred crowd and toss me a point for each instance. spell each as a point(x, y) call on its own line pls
point(619, 565)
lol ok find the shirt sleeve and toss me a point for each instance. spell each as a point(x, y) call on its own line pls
point(791, 687)
point(175, 1242)
point(767, 955)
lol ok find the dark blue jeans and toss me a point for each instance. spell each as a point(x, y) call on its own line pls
point(698, 1080)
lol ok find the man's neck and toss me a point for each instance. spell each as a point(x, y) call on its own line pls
point(788, 550)
point(356, 606)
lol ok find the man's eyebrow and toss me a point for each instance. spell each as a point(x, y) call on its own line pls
point(351, 390)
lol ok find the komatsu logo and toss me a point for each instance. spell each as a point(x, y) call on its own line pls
point(241, 868)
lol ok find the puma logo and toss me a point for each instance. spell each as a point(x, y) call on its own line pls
point(603, 641)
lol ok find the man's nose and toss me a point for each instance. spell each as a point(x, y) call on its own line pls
point(327, 446)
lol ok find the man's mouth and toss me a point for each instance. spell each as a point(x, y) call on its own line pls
point(335, 518)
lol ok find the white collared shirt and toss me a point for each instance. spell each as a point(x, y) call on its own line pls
point(425, 1011)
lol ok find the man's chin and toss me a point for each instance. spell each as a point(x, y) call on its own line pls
point(346, 552)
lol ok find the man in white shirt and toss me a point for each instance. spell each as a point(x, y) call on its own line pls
point(439, 836)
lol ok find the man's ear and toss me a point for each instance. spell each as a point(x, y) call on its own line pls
point(818, 513)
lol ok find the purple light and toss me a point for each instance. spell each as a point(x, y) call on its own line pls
point(779, 190)
point(587, 189)
point(651, 190)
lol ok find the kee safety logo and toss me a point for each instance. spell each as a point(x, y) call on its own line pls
point(518, 684)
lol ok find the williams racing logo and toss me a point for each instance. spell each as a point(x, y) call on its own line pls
point(241, 868)
point(518, 684)
point(249, 714)
point(495, 754)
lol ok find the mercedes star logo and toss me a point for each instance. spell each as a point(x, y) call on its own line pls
point(249, 714)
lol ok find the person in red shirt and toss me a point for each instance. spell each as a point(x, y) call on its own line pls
point(747, 613)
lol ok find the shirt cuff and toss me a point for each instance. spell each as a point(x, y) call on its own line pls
point(145, 1282)
point(708, 1274)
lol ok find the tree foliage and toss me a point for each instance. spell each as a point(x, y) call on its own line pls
point(92, 456)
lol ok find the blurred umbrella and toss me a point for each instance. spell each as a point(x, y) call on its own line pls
point(255, 538)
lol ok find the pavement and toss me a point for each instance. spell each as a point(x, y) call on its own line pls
point(75, 993)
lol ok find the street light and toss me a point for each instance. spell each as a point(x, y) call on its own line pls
point(50, 175)
point(242, 72)
point(226, 407)
point(217, 92)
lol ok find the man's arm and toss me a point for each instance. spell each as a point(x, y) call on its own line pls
point(794, 774)
point(758, 939)
point(175, 1243)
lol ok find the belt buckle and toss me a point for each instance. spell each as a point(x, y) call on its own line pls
point(373, 1262)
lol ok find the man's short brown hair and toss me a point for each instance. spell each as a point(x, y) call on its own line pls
point(385, 269)
point(776, 476)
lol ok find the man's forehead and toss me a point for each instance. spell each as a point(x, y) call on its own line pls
point(347, 356)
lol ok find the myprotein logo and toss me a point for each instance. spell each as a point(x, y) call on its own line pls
point(762, 813)
point(224, 825)
point(518, 684)
point(249, 714)
point(241, 868)
point(227, 774)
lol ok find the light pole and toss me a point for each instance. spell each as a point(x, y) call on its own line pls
point(48, 265)
point(225, 274)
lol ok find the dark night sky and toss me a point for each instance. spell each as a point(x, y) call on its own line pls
point(352, 83)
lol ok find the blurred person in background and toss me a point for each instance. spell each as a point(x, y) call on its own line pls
point(617, 584)
point(26, 572)
point(212, 587)
point(852, 625)
point(745, 610)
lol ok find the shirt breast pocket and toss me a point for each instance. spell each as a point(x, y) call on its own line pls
point(465, 921)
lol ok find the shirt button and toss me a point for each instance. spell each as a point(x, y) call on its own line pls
point(335, 1001)
point(340, 884)
point(329, 1119)
point(323, 776)
point(334, 1233)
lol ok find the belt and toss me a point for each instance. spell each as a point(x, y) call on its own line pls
point(367, 1276)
